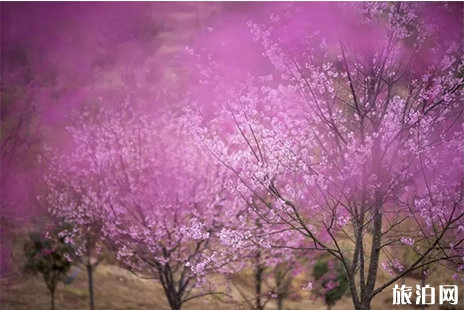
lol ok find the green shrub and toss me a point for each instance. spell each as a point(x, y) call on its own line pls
point(330, 280)
point(46, 256)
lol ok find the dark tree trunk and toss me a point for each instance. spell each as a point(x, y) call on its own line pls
point(174, 304)
point(52, 300)
point(258, 282)
point(423, 280)
point(365, 305)
point(258, 288)
point(90, 279)
point(280, 302)
point(173, 296)
point(282, 287)
point(279, 298)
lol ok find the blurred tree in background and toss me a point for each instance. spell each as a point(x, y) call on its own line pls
point(331, 280)
point(46, 255)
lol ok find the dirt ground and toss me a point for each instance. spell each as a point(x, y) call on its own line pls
point(118, 289)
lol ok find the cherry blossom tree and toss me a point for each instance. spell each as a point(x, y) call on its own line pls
point(356, 130)
point(157, 199)
point(70, 204)
point(272, 267)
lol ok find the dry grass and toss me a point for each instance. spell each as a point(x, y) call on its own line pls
point(118, 289)
point(113, 290)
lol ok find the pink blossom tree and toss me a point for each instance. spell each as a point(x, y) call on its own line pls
point(272, 265)
point(71, 198)
point(357, 130)
point(158, 200)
